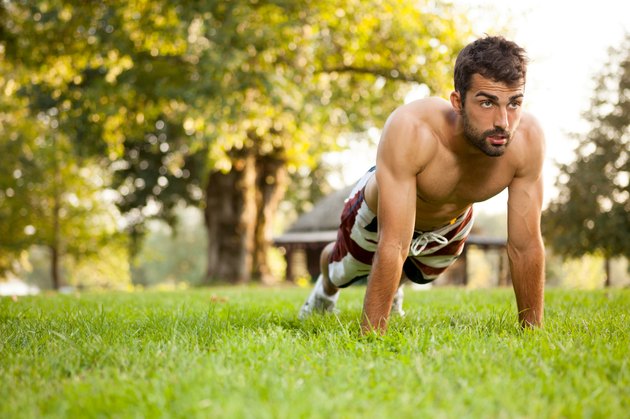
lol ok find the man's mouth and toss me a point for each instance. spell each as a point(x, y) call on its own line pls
point(498, 139)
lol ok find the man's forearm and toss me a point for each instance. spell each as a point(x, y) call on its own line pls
point(381, 288)
point(528, 278)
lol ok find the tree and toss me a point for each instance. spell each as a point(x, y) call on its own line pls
point(17, 152)
point(50, 195)
point(220, 101)
point(47, 198)
point(591, 213)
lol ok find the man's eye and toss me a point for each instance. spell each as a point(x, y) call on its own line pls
point(486, 104)
point(514, 105)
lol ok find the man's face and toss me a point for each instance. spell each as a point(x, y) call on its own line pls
point(491, 114)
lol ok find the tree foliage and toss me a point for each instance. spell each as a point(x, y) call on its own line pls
point(215, 103)
point(592, 211)
point(48, 196)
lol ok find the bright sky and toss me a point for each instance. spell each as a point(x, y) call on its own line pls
point(567, 43)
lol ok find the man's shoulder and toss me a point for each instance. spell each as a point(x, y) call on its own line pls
point(531, 127)
point(529, 152)
point(531, 131)
point(431, 110)
point(412, 133)
point(424, 116)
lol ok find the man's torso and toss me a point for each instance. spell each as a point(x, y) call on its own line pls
point(452, 181)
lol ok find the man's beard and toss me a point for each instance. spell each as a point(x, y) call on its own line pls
point(479, 139)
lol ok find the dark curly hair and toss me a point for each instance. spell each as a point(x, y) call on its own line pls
point(492, 57)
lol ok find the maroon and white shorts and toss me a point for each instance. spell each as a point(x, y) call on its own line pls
point(430, 253)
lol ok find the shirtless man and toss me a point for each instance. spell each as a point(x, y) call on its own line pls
point(413, 212)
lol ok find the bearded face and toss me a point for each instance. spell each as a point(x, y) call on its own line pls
point(492, 142)
point(490, 113)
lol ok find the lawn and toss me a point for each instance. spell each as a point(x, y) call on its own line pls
point(241, 353)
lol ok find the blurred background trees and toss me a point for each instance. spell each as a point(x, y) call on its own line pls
point(115, 117)
point(591, 215)
point(116, 112)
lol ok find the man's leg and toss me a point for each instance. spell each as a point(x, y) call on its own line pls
point(324, 295)
point(329, 287)
point(356, 219)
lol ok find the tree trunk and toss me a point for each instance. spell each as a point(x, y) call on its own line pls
point(55, 255)
point(271, 181)
point(54, 268)
point(55, 243)
point(607, 270)
point(230, 217)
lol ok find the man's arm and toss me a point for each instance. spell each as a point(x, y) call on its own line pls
point(399, 160)
point(525, 246)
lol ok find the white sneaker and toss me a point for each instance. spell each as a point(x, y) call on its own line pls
point(318, 301)
point(397, 308)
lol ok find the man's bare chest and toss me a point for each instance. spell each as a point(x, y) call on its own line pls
point(461, 186)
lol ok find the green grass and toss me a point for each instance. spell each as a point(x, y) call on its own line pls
point(241, 352)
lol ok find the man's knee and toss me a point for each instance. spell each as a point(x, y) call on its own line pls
point(324, 258)
point(324, 261)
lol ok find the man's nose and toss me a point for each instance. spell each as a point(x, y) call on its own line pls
point(501, 119)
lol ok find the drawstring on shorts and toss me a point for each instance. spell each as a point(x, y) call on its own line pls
point(422, 241)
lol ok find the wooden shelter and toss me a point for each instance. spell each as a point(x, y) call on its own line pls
point(304, 240)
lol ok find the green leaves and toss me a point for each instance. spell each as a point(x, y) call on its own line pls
point(160, 93)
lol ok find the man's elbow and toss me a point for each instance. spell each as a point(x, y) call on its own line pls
point(393, 249)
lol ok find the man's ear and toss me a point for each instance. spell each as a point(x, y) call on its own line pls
point(456, 101)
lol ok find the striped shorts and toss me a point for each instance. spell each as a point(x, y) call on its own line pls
point(430, 252)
